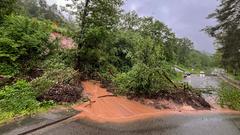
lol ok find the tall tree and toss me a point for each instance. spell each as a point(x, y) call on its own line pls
point(96, 19)
point(227, 33)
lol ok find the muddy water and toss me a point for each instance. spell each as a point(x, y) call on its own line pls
point(109, 115)
point(103, 106)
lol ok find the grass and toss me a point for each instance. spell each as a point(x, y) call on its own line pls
point(235, 77)
point(230, 97)
point(178, 77)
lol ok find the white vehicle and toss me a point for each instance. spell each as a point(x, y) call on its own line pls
point(202, 74)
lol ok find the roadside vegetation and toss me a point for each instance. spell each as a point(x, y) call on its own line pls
point(229, 96)
point(134, 54)
point(137, 54)
point(226, 33)
point(30, 61)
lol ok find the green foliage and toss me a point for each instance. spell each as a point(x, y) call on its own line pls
point(58, 68)
point(134, 52)
point(227, 33)
point(52, 77)
point(92, 54)
point(59, 59)
point(10, 70)
point(97, 20)
point(22, 39)
point(141, 80)
point(229, 96)
point(41, 10)
point(145, 76)
point(19, 99)
point(6, 8)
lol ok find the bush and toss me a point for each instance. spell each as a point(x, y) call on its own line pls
point(22, 39)
point(18, 99)
point(52, 77)
point(58, 68)
point(145, 77)
point(141, 80)
point(229, 96)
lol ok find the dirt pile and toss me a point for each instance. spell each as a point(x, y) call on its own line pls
point(176, 100)
point(103, 105)
point(62, 93)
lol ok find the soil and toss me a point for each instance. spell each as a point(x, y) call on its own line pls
point(172, 99)
point(176, 100)
point(62, 93)
point(65, 42)
point(103, 106)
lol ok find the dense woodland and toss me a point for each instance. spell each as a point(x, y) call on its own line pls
point(135, 54)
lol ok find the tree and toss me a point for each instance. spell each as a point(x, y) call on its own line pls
point(22, 39)
point(130, 21)
point(185, 47)
point(227, 33)
point(41, 10)
point(97, 20)
point(6, 8)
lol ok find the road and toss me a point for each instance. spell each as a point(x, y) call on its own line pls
point(182, 124)
point(174, 123)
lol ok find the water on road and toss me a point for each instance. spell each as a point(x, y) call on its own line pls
point(171, 123)
point(196, 81)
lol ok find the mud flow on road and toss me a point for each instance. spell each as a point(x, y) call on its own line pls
point(104, 106)
point(106, 114)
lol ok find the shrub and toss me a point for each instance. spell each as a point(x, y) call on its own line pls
point(22, 39)
point(18, 99)
point(141, 80)
point(52, 77)
point(229, 96)
point(60, 59)
point(58, 68)
point(145, 77)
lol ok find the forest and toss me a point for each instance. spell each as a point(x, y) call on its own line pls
point(133, 54)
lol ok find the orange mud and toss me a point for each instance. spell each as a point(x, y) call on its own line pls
point(104, 107)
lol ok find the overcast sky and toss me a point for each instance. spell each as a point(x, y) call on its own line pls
point(185, 17)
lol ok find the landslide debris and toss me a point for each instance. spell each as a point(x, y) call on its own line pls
point(61, 93)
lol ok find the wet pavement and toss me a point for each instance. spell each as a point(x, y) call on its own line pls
point(27, 124)
point(196, 81)
point(209, 85)
point(214, 122)
point(178, 124)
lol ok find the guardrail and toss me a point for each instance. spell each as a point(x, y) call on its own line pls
point(229, 80)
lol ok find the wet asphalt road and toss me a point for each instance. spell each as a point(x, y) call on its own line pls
point(182, 124)
point(205, 123)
